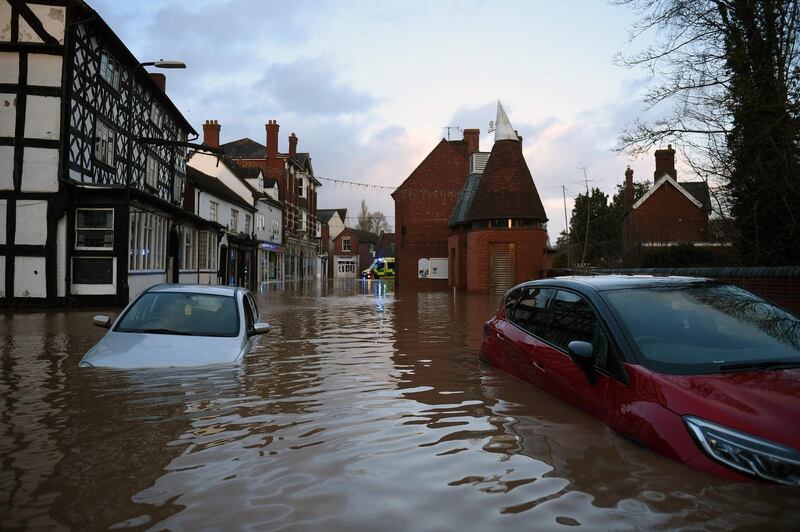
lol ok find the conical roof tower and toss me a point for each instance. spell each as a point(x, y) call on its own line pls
point(506, 189)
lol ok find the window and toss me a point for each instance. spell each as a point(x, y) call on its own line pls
point(275, 230)
point(530, 312)
point(192, 314)
point(156, 115)
point(571, 318)
point(202, 250)
point(177, 188)
point(234, 220)
point(105, 142)
point(148, 241)
point(94, 228)
point(188, 259)
point(346, 244)
point(151, 172)
point(301, 189)
point(109, 69)
point(247, 219)
point(260, 223)
point(213, 210)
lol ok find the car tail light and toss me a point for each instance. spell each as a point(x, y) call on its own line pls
point(745, 453)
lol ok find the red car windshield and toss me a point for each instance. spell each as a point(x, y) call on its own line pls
point(182, 313)
point(707, 329)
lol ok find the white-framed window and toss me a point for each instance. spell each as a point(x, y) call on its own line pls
point(177, 188)
point(151, 172)
point(213, 211)
point(188, 259)
point(156, 115)
point(260, 223)
point(202, 250)
point(147, 241)
point(247, 220)
point(94, 275)
point(234, 220)
point(345, 244)
point(301, 189)
point(110, 69)
point(94, 228)
point(276, 230)
point(105, 142)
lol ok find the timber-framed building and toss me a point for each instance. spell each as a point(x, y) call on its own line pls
point(92, 165)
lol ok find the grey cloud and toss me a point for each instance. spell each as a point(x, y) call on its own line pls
point(310, 86)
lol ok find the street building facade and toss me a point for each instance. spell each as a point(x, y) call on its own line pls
point(670, 213)
point(297, 189)
point(92, 163)
point(332, 223)
point(353, 251)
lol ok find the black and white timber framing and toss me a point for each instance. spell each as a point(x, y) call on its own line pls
point(82, 172)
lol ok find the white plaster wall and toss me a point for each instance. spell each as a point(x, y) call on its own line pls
point(198, 278)
point(31, 222)
point(44, 70)
point(40, 170)
point(208, 165)
point(53, 19)
point(29, 277)
point(61, 257)
point(138, 283)
point(8, 114)
point(6, 167)
point(2, 276)
point(26, 33)
point(9, 67)
point(3, 221)
point(43, 117)
point(5, 22)
point(335, 225)
point(270, 213)
point(223, 211)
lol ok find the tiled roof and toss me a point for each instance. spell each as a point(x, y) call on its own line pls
point(506, 189)
point(215, 187)
point(699, 190)
point(325, 215)
point(362, 236)
point(244, 149)
point(465, 200)
point(244, 172)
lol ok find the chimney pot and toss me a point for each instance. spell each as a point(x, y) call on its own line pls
point(665, 163)
point(293, 145)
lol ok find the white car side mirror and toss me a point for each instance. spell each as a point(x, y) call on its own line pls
point(101, 320)
point(260, 327)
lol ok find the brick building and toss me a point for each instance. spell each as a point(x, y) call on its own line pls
point(353, 251)
point(499, 234)
point(332, 223)
point(423, 204)
point(670, 213)
point(297, 189)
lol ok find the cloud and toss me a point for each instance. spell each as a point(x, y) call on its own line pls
point(312, 86)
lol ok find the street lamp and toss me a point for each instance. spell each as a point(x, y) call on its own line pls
point(164, 64)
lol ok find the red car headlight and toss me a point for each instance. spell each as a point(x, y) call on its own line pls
point(745, 453)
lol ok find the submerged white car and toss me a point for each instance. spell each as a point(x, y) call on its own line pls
point(173, 325)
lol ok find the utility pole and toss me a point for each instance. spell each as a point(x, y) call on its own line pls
point(588, 215)
point(566, 227)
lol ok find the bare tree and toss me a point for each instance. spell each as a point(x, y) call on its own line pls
point(730, 70)
point(374, 222)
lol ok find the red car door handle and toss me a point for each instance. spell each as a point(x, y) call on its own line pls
point(500, 336)
point(538, 365)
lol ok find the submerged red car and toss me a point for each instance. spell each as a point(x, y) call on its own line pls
point(701, 371)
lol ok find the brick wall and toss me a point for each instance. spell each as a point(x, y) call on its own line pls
point(423, 206)
point(669, 216)
point(529, 255)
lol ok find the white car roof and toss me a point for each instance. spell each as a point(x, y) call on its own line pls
point(217, 290)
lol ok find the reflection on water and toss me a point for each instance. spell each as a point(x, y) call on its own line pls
point(363, 408)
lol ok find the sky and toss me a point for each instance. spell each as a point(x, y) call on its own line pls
point(369, 86)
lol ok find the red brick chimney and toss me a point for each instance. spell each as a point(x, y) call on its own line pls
point(665, 163)
point(628, 198)
point(272, 139)
point(211, 133)
point(160, 79)
point(473, 138)
point(292, 145)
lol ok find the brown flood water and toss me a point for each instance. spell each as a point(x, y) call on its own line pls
point(363, 409)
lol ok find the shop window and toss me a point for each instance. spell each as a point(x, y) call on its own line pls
point(94, 228)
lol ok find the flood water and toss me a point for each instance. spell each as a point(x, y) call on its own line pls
point(362, 409)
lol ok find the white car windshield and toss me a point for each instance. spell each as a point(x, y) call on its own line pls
point(182, 313)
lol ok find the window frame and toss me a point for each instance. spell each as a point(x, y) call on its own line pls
point(213, 210)
point(77, 229)
point(234, 220)
point(116, 76)
point(101, 152)
point(349, 247)
point(155, 165)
